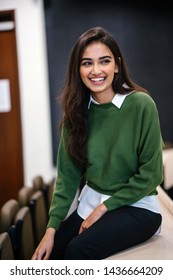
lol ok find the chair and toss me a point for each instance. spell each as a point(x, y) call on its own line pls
point(24, 234)
point(6, 250)
point(38, 183)
point(7, 214)
point(38, 214)
point(46, 187)
point(24, 195)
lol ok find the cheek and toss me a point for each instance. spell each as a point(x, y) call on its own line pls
point(83, 74)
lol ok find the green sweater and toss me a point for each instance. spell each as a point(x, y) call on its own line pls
point(124, 153)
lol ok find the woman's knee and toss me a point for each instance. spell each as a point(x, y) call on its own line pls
point(77, 249)
point(73, 250)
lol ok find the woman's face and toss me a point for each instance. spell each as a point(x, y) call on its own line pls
point(97, 69)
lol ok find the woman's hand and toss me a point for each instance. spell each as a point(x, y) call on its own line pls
point(98, 212)
point(45, 246)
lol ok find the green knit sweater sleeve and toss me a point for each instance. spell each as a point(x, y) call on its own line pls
point(67, 183)
point(150, 166)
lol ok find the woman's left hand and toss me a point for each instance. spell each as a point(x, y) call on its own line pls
point(98, 212)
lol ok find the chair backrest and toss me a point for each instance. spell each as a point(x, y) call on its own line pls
point(38, 183)
point(24, 195)
point(7, 214)
point(39, 215)
point(6, 250)
point(24, 233)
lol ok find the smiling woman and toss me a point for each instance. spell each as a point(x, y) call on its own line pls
point(109, 142)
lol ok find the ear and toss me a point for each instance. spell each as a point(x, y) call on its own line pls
point(116, 69)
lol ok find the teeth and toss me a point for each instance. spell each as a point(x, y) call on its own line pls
point(97, 79)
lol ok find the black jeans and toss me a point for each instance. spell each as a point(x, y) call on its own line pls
point(115, 231)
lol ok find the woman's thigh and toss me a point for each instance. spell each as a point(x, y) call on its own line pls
point(117, 230)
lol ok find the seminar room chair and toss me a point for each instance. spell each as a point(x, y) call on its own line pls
point(6, 250)
point(7, 214)
point(39, 215)
point(47, 188)
point(24, 195)
point(24, 234)
point(16, 221)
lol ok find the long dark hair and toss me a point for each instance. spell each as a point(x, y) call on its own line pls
point(74, 96)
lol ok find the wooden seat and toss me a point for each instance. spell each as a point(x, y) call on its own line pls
point(17, 222)
point(159, 246)
point(6, 250)
point(39, 215)
point(24, 195)
point(24, 234)
point(7, 213)
point(38, 183)
point(46, 188)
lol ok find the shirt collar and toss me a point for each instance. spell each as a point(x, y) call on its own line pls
point(92, 100)
point(117, 100)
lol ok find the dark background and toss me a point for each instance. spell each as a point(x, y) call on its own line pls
point(144, 33)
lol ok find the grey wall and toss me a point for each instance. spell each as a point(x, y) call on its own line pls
point(144, 33)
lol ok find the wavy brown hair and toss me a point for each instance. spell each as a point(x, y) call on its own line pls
point(74, 96)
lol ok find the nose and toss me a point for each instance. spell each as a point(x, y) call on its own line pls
point(96, 70)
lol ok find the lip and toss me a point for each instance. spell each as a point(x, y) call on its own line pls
point(97, 80)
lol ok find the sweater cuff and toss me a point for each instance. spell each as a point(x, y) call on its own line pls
point(54, 222)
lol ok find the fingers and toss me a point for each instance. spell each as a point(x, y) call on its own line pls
point(82, 228)
point(98, 212)
point(37, 256)
point(41, 253)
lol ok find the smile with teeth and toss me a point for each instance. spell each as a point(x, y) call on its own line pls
point(97, 79)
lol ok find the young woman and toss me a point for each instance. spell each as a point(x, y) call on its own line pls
point(111, 138)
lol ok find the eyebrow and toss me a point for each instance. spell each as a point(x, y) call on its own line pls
point(100, 58)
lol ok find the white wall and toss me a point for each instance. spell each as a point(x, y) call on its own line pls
point(34, 88)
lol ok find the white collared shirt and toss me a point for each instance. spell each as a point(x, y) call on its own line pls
point(117, 100)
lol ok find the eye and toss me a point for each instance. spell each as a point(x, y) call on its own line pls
point(105, 61)
point(86, 63)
